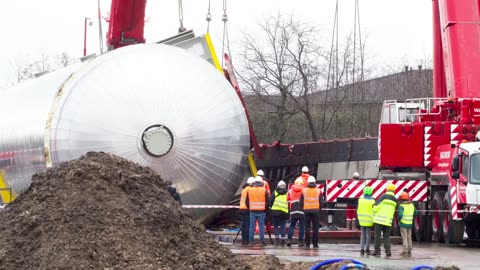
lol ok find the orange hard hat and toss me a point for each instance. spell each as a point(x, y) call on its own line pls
point(404, 196)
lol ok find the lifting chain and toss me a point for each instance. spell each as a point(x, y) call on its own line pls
point(225, 16)
point(180, 17)
point(225, 31)
point(209, 17)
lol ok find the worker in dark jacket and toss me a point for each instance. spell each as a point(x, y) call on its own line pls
point(383, 212)
point(173, 191)
point(311, 201)
point(244, 212)
point(279, 212)
point(257, 203)
point(365, 218)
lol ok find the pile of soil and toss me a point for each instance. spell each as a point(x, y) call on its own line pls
point(99, 212)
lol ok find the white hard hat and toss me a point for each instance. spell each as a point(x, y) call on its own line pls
point(281, 184)
point(250, 180)
point(304, 169)
point(260, 172)
point(311, 179)
point(356, 175)
point(258, 179)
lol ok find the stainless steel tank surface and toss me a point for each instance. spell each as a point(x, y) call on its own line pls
point(157, 105)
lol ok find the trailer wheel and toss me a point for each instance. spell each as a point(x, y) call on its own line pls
point(428, 228)
point(395, 229)
point(472, 230)
point(453, 230)
point(419, 228)
point(437, 217)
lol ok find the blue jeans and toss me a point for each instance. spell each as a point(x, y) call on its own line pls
point(245, 225)
point(366, 234)
point(279, 223)
point(254, 216)
point(301, 232)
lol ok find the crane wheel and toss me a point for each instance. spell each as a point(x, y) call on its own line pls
point(453, 230)
point(418, 231)
point(437, 205)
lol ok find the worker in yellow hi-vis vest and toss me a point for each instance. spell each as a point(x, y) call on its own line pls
point(279, 212)
point(383, 212)
point(365, 219)
point(406, 215)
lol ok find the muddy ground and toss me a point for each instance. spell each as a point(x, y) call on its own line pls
point(104, 212)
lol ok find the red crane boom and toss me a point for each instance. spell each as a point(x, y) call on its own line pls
point(126, 23)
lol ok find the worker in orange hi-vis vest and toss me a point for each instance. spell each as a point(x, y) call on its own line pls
point(244, 212)
point(305, 175)
point(311, 201)
point(266, 185)
point(351, 214)
point(257, 203)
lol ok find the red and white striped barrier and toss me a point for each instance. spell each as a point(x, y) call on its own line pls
point(354, 188)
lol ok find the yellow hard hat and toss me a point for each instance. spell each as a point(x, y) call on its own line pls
point(299, 181)
point(390, 187)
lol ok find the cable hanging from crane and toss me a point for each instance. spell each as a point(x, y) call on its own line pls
point(180, 17)
point(225, 31)
point(100, 33)
point(209, 17)
point(330, 62)
point(356, 21)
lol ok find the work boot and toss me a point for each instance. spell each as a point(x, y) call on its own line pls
point(289, 244)
point(263, 243)
point(388, 254)
point(367, 251)
point(301, 243)
point(244, 243)
point(362, 252)
point(307, 245)
point(250, 244)
point(376, 253)
point(315, 245)
point(277, 242)
point(282, 243)
point(404, 253)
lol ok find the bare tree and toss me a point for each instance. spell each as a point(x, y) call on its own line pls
point(27, 68)
point(283, 70)
point(300, 84)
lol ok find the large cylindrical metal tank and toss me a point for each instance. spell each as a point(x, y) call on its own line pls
point(156, 105)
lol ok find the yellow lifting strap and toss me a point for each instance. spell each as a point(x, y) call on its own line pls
point(7, 195)
point(213, 54)
point(251, 162)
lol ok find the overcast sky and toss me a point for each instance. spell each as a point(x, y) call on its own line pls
point(397, 32)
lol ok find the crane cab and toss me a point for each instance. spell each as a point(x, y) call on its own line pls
point(466, 169)
point(394, 112)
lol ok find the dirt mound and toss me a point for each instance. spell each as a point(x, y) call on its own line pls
point(103, 212)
